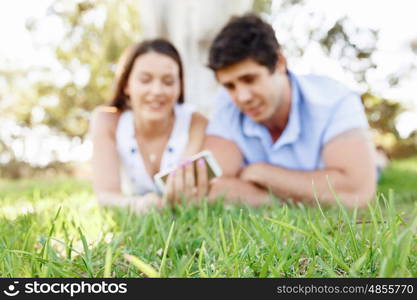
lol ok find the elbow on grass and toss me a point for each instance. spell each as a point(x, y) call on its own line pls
point(104, 199)
point(359, 199)
point(101, 199)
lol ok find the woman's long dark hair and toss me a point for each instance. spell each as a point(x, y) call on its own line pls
point(119, 98)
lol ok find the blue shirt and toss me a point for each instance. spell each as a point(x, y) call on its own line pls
point(321, 109)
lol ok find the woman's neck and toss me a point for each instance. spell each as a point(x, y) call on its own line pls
point(154, 128)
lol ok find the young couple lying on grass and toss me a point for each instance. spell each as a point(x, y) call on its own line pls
point(299, 137)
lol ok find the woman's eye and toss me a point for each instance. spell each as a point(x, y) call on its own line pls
point(145, 79)
point(168, 81)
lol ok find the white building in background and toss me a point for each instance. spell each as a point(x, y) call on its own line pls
point(191, 26)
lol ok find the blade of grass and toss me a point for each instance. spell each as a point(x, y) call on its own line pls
point(288, 226)
point(87, 257)
point(142, 266)
point(162, 266)
point(222, 237)
point(201, 254)
point(107, 263)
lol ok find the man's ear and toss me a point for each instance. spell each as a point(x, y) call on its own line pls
point(215, 76)
point(281, 65)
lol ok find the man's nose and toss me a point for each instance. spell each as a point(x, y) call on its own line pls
point(243, 94)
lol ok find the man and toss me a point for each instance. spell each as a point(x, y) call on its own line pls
point(300, 137)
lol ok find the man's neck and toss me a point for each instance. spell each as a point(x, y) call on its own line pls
point(276, 125)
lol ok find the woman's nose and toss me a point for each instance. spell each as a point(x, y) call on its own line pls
point(156, 87)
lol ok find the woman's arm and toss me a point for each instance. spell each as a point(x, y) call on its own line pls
point(106, 165)
point(183, 182)
point(196, 135)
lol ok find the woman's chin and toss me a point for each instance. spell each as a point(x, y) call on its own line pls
point(155, 116)
point(149, 114)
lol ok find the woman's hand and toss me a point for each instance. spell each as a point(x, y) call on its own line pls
point(189, 182)
point(143, 204)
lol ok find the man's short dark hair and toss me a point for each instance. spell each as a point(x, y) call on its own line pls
point(243, 37)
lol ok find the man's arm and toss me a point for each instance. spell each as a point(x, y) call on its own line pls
point(349, 173)
point(229, 185)
point(226, 153)
point(236, 190)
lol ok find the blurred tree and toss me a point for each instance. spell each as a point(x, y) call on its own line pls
point(63, 94)
point(382, 114)
point(95, 34)
point(353, 48)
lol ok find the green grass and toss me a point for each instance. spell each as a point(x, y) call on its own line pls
point(56, 229)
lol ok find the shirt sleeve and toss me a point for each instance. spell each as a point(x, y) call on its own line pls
point(222, 121)
point(348, 114)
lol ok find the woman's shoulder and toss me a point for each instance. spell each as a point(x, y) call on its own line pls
point(104, 118)
point(197, 127)
point(196, 134)
point(198, 120)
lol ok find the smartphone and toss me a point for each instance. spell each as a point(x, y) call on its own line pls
point(213, 169)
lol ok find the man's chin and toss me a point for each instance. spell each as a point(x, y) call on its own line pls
point(256, 118)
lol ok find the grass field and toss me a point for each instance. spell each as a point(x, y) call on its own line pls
point(55, 229)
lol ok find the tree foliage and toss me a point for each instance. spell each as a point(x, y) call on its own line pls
point(95, 34)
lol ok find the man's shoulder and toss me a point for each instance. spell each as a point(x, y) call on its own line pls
point(322, 91)
point(224, 105)
point(226, 118)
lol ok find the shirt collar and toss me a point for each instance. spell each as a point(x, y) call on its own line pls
point(291, 131)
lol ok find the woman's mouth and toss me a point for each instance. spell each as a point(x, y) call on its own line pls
point(156, 105)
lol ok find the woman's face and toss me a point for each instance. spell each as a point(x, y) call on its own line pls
point(153, 86)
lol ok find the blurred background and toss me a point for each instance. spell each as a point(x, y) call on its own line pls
point(58, 58)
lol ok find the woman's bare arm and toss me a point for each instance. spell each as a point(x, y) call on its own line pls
point(196, 134)
point(106, 164)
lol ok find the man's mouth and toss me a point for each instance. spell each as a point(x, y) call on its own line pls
point(254, 111)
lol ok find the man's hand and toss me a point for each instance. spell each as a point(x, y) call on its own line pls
point(253, 173)
point(189, 181)
point(232, 185)
point(237, 190)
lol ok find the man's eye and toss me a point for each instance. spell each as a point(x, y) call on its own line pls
point(248, 79)
point(229, 87)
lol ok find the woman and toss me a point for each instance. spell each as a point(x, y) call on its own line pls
point(146, 127)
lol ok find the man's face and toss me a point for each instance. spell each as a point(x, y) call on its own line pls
point(256, 91)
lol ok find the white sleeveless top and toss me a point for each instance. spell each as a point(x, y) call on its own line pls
point(134, 176)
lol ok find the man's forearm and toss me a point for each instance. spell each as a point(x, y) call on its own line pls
point(325, 184)
point(236, 190)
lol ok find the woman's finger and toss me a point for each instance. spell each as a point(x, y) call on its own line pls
point(178, 184)
point(189, 177)
point(202, 178)
point(169, 195)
